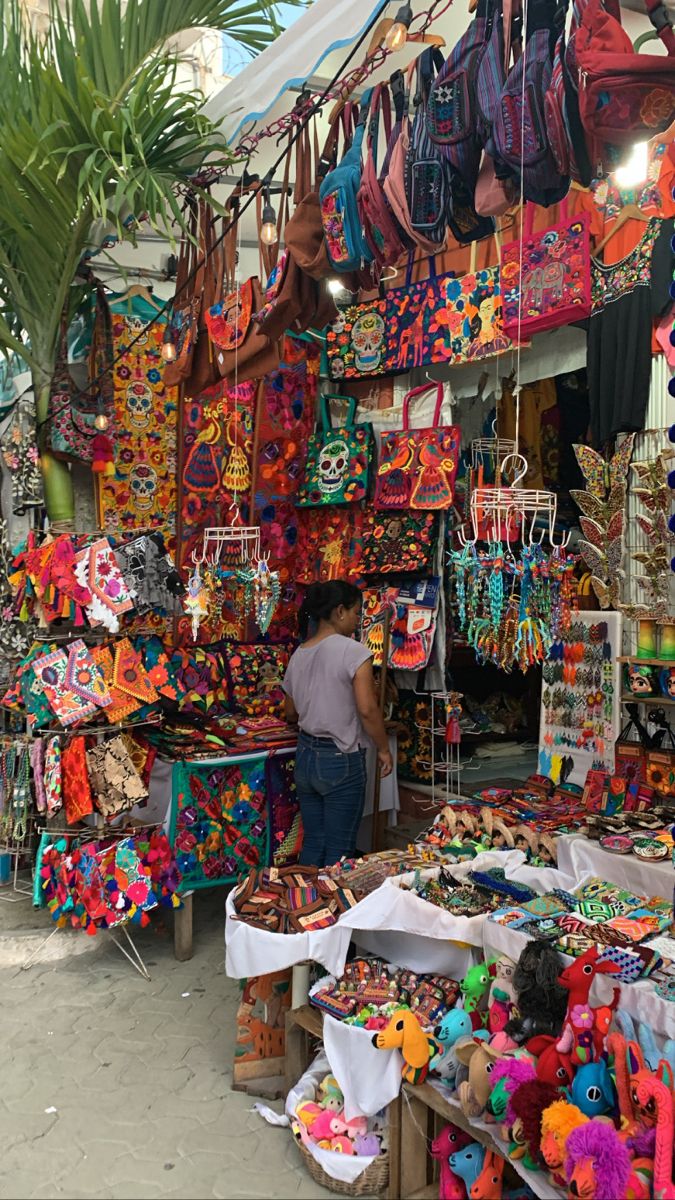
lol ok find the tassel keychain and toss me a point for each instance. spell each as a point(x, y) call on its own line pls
point(453, 711)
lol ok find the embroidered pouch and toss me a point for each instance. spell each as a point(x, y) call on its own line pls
point(397, 541)
point(257, 672)
point(76, 792)
point(97, 570)
point(115, 782)
point(72, 683)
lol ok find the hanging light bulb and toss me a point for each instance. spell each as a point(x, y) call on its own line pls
point(269, 234)
point(168, 351)
point(636, 167)
point(101, 422)
point(397, 36)
point(335, 286)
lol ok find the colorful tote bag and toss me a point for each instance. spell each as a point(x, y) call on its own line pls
point(356, 341)
point(416, 323)
point(554, 287)
point(338, 460)
point(418, 467)
point(474, 316)
point(397, 541)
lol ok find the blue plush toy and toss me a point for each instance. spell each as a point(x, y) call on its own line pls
point(455, 1024)
point(468, 1164)
point(592, 1089)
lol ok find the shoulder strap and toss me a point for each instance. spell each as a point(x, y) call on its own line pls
point(661, 20)
point(420, 391)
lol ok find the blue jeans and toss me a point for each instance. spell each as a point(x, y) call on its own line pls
point(331, 790)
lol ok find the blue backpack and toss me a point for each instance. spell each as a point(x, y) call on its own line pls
point(345, 239)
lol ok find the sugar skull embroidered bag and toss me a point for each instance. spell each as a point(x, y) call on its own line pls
point(555, 288)
point(418, 467)
point(338, 460)
point(356, 341)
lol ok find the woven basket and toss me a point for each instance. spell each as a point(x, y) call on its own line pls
point(372, 1182)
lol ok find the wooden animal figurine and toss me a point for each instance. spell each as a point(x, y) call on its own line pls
point(585, 1028)
point(480, 1058)
point(557, 1123)
point(405, 1033)
point(598, 1165)
point(488, 1185)
point(653, 1093)
point(450, 1139)
point(468, 1163)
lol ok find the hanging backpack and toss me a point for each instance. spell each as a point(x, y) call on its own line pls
point(380, 227)
point(346, 244)
point(625, 97)
point(394, 183)
point(494, 197)
point(452, 110)
point(426, 175)
point(519, 141)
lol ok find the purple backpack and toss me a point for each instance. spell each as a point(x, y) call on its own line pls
point(451, 110)
point(519, 140)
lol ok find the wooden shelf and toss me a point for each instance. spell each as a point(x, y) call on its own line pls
point(656, 701)
point(646, 662)
point(308, 1018)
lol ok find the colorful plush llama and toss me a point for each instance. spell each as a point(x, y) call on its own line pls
point(585, 1028)
point(450, 1139)
point(654, 1093)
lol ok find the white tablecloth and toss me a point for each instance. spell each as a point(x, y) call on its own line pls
point(578, 856)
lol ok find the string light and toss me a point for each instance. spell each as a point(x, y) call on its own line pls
point(168, 349)
point(397, 36)
point(101, 422)
point(636, 167)
point(335, 286)
point(269, 233)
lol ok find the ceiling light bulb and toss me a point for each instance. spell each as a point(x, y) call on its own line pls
point(397, 35)
point(168, 352)
point(636, 167)
point(335, 286)
point(269, 234)
point(101, 422)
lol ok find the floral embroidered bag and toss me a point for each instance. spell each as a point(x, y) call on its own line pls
point(356, 341)
point(418, 467)
point(416, 326)
point(338, 460)
point(554, 288)
point(348, 249)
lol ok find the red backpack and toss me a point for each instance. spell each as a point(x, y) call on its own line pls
point(624, 97)
point(381, 229)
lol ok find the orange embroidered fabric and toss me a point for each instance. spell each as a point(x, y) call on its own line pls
point(75, 789)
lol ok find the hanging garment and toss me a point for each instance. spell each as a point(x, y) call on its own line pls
point(20, 457)
point(626, 297)
point(52, 776)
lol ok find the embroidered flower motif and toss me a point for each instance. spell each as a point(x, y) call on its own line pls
point(657, 108)
point(581, 1016)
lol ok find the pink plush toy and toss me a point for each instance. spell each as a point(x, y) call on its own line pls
point(450, 1139)
point(327, 1125)
point(357, 1127)
point(307, 1112)
point(343, 1145)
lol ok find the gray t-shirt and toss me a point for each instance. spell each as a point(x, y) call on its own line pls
point(320, 682)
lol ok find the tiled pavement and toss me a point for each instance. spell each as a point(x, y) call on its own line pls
point(139, 1075)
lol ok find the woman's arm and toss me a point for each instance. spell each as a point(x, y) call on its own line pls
point(371, 717)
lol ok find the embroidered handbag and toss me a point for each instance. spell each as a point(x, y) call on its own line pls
point(396, 542)
point(187, 304)
point(338, 460)
point(474, 316)
point(242, 351)
point(356, 340)
point(348, 249)
point(556, 276)
point(427, 175)
point(71, 414)
point(114, 780)
point(660, 771)
point(381, 229)
point(416, 326)
point(418, 467)
point(394, 183)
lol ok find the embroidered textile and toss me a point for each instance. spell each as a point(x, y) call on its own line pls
point(76, 792)
point(150, 572)
point(21, 458)
point(52, 776)
point(115, 782)
point(396, 542)
point(97, 570)
point(142, 492)
point(219, 825)
point(256, 673)
point(284, 809)
point(72, 683)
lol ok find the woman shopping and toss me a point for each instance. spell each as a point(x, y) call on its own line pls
point(330, 693)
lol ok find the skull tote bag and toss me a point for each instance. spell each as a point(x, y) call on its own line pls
point(418, 467)
point(356, 341)
point(338, 460)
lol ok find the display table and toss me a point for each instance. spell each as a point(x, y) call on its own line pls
point(217, 814)
point(579, 856)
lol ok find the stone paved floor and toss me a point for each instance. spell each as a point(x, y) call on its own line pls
point(139, 1075)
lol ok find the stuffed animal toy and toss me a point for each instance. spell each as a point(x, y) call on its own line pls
point(366, 1144)
point(598, 1164)
point(450, 1139)
point(343, 1145)
point(326, 1126)
point(502, 997)
point(528, 1102)
point(474, 988)
point(557, 1123)
point(644, 1115)
point(307, 1112)
point(405, 1033)
point(637, 1128)
point(585, 1029)
point(488, 1185)
point(552, 1066)
point(455, 1024)
point(656, 1094)
point(468, 1163)
point(592, 1089)
point(330, 1094)
point(480, 1058)
point(541, 1001)
point(508, 1074)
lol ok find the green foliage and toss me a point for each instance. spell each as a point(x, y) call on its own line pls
point(92, 127)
